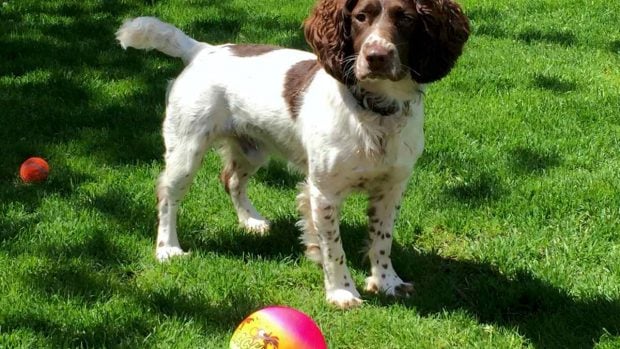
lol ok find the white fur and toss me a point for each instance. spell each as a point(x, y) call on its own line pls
point(151, 33)
point(340, 146)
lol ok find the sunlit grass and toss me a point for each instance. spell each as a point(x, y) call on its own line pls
point(509, 229)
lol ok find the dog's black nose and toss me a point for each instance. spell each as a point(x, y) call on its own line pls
point(378, 57)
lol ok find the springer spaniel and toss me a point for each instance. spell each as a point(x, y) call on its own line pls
point(350, 117)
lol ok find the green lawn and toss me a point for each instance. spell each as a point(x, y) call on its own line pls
point(510, 227)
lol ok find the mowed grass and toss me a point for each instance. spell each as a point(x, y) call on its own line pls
point(509, 228)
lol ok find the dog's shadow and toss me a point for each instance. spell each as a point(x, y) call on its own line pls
point(546, 315)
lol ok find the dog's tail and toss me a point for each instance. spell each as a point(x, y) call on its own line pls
point(151, 33)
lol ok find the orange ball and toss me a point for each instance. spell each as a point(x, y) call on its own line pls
point(34, 170)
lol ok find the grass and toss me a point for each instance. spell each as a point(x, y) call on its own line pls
point(510, 226)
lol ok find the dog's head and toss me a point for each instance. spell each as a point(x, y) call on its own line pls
point(358, 40)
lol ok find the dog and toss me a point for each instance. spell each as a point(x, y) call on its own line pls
point(349, 117)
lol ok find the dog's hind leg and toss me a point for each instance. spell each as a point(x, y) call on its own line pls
point(242, 157)
point(186, 143)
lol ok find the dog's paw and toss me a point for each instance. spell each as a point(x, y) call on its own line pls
point(390, 286)
point(258, 226)
point(404, 290)
point(164, 253)
point(344, 299)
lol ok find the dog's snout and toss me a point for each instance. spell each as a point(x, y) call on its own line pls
point(379, 57)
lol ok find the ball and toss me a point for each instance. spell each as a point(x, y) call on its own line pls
point(278, 327)
point(34, 170)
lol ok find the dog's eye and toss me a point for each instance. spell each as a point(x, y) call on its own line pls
point(404, 18)
point(360, 17)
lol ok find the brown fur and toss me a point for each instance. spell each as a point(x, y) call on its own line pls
point(327, 31)
point(251, 50)
point(298, 77)
point(225, 178)
point(442, 32)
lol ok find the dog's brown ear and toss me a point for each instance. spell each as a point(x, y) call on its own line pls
point(438, 39)
point(328, 32)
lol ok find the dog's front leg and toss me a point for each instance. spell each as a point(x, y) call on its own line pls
point(383, 207)
point(325, 211)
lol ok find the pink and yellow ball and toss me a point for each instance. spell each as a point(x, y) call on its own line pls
point(278, 327)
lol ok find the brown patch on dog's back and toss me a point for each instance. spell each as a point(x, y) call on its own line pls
point(298, 77)
point(251, 50)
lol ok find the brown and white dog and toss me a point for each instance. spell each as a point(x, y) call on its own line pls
point(350, 117)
